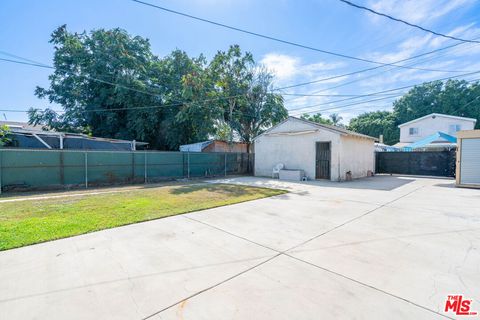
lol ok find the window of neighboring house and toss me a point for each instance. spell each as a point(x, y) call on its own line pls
point(453, 128)
point(413, 131)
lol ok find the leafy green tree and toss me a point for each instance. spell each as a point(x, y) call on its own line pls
point(335, 118)
point(92, 77)
point(316, 118)
point(4, 139)
point(375, 124)
point(110, 84)
point(453, 97)
point(190, 112)
point(259, 109)
point(222, 131)
point(231, 73)
point(240, 90)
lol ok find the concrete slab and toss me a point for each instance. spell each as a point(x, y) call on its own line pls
point(284, 221)
point(122, 273)
point(421, 255)
point(374, 190)
point(376, 248)
point(285, 288)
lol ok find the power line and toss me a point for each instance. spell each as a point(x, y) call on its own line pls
point(311, 111)
point(377, 67)
point(346, 99)
point(341, 55)
point(319, 95)
point(378, 73)
point(407, 23)
point(205, 100)
point(347, 105)
point(356, 103)
point(42, 65)
point(370, 107)
point(390, 90)
point(27, 63)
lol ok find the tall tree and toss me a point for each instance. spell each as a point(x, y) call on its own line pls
point(316, 118)
point(190, 114)
point(91, 79)
point(453, 97)
point(335, 119)
point(375, 124)
point(259, 109)
point(110, 84)
point(231, 72)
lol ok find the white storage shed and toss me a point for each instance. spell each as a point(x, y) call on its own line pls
point(320, 151)
point(468, 158)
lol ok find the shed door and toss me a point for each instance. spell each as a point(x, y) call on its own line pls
point(322, 161)
point(470, 161)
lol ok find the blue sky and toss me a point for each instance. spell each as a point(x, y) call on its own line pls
point(26, 25)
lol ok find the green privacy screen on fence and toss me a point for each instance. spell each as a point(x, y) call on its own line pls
point(40, 169)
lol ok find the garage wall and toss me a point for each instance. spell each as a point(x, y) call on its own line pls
point(357, 155)
point(294, 151)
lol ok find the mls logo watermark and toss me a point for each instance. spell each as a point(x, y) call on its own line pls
point(459, 305)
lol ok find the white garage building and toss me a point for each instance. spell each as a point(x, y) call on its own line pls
point(321, 151)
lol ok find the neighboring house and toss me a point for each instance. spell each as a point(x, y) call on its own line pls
point(432, 126)
point(215, 146)
point(25, 136)
point(321, 151)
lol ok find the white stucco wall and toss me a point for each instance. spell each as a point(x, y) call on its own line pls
point(429, 126)
point(357, 155)
point(298, 151)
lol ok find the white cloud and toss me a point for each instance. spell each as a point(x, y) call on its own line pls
point(283, 66)
point(413, 11)
point(467, 31)
point(288, 68)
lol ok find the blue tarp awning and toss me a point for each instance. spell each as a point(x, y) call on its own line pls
point(438, 136)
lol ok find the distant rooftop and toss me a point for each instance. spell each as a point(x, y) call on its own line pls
point(434, 115)
point(21, 125)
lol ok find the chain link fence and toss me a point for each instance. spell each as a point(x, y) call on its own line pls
point(27, 169)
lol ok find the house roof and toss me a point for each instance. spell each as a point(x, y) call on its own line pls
point(336, 129)
point(199, 146)
point(23, 128)
point(195, 147)
point(437, 115)
point(20, 125)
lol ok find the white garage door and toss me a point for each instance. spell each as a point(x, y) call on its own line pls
point(470, 161)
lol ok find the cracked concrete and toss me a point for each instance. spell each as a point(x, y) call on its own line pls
point(383, 247)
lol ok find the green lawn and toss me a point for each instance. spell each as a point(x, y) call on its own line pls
point(33, 221)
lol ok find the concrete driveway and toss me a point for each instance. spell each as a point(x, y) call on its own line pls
point(377, 248)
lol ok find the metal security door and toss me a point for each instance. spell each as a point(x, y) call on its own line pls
point(322, 160)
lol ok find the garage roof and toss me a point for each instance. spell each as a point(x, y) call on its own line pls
point(339, 130)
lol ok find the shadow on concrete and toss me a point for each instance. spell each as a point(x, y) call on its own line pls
point(384, 183)
point(381, 182)
point(445, 185)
